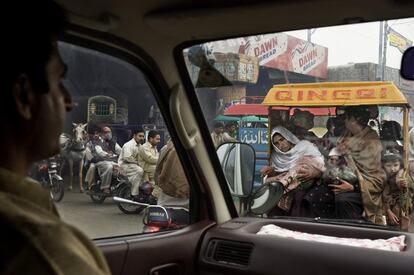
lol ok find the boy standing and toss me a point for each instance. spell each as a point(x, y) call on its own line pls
point(398, 191)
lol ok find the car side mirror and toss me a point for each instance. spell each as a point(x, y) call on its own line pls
point(238, 161)
point(407, 64)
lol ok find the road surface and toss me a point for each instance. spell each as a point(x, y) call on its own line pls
point(97, 220)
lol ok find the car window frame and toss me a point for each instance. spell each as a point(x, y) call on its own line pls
point(135, 56)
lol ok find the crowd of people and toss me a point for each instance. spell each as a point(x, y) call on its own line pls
point(140, 161)
point(222, 134)
point(349, 173)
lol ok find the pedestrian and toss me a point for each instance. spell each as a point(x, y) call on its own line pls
point(219, 136)
point(231, 129)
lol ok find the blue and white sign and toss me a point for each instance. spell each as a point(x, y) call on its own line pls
point(256, 137)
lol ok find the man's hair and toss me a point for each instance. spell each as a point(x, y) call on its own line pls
point(153, 134)
point(218, 125)
point(27, 34)
point(135, 131)
point(104, 126)
point(391, 130)
point(93, 128)
point(230, 124)
point(359, 113)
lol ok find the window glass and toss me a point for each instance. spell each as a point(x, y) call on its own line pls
point(327, 114)
point(114, 144)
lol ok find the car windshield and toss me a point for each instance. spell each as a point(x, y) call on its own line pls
point(327, 114)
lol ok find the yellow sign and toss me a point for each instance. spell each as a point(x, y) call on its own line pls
point(398, 40)
point(335, 94)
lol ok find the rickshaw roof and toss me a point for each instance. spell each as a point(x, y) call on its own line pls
point(335, 94)
point(227, 118)
point(246, 109)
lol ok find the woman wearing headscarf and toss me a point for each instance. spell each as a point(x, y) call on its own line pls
point(361, 147)
point(295, 164)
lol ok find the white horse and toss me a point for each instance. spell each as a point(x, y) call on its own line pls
point(73, 150)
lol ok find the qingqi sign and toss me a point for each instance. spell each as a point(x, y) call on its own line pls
point(334, 93)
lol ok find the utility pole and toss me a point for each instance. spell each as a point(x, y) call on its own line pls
point(384, 53)
point(381, 40)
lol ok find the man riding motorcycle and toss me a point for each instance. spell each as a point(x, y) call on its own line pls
point(128, 160)
point(105, 152)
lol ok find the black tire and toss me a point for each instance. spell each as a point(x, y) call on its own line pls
point(96, 188)
point(57, 190)
point(97, 199)
point(125, 192)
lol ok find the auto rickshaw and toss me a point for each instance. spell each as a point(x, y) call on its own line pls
point(322, 102)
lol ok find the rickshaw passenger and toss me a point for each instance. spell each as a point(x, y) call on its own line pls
point(295, 164)
point(335, 126)
point(300, 123)
point(390, 134)
point(361, 148)
point(393, 195)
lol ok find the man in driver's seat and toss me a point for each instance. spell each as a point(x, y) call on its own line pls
point(33, 108)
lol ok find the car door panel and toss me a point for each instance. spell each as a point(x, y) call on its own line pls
point(168, 252)
point(115, 254)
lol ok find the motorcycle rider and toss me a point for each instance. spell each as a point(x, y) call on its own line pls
point(128, 160)
point(171, 179)
point(106, 154)
point(93, 139)
point(148, 158)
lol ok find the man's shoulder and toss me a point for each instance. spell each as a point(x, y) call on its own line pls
point(38, 234)
point(131, 142)
point(146, 145)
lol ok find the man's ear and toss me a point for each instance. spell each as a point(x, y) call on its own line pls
point(23, 97)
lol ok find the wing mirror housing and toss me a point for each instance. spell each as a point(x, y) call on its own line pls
point(407, 64)
point(238, 161)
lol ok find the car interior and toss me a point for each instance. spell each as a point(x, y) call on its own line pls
point(152, 37)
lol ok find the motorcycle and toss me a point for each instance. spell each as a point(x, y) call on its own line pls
point(157, 218)
point(48, 176)
point(121, 187)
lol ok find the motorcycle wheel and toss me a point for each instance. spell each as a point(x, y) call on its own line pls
point(97, 198)
point(96, 188)
point(56, 190)
point(125, 193)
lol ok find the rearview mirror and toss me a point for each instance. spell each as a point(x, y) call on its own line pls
point(208, 76)
point(238, 162)
point(407, 64)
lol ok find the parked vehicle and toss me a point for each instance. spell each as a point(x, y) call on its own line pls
point(47, 174)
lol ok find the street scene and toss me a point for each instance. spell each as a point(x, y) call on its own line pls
point(291, 96)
